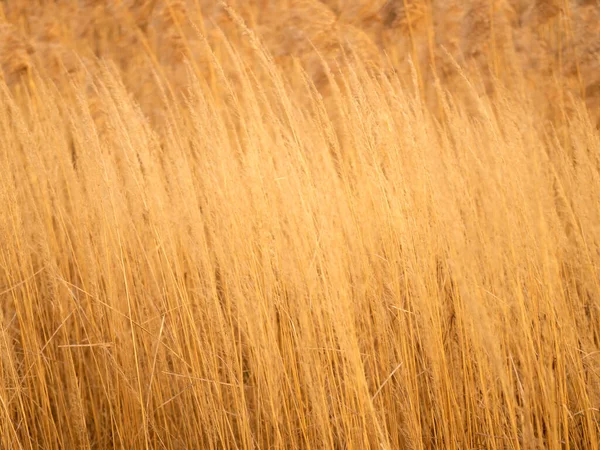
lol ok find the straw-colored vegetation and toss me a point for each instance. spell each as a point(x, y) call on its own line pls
point(299, 224)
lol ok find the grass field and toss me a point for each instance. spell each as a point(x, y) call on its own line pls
point(300, 224)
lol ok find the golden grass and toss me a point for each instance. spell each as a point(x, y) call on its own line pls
point(299, 225)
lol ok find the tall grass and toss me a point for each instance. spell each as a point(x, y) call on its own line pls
point(224, 230)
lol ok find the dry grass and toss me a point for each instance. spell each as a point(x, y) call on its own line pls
point(299, 225)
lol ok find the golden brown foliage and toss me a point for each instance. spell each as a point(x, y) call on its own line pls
point(299, 224)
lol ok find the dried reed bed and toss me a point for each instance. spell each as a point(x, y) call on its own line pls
point(299, 225)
